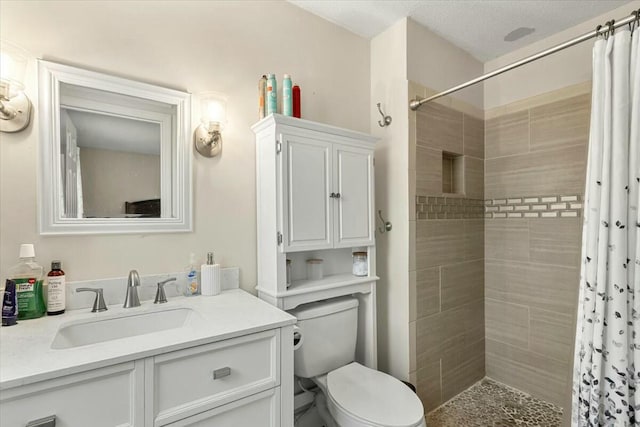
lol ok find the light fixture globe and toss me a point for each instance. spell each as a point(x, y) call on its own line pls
point(15, 107)
point(207, 137)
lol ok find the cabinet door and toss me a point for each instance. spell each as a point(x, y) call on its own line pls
point(105, 397)
point(354, 208)
point(308, 207)
point(258, 410)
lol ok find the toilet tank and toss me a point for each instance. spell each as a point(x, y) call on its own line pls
point(329, 331)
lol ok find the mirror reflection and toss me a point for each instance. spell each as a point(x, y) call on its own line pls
point(111, 154)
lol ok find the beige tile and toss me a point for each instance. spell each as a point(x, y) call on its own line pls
point(449, 331)
point(557, 171)
point(473, 177)
point(413, 296)
point(561, 124)
point(552, 334)
point(507, 239)
point(555, 241)
point(539, 100)
point(473, 135)
point(460, 370)
point(507, 323)
point(428, 385)
point(473, 239)
point(413, 364)
point(548, 287)
point(507, 135)
point(438, 334)
point(439, 128)
point(439, 242)
point(428, 171)
point(540, 376)
point(461, 283)
point(413, 237)
point(412, 194)
point(427, 292)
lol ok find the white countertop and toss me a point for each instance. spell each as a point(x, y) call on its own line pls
point(26, 356)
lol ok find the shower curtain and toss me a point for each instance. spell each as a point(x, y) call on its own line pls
point(607, 351)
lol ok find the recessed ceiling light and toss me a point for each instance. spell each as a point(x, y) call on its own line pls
point(518, 33)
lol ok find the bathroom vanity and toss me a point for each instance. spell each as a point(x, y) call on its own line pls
point(223, 360)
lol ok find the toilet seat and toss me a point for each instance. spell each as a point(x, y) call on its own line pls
point(360, 396)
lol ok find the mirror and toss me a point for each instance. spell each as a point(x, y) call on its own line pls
point(114, 154)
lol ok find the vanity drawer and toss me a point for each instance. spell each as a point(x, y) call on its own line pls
point(258, 410)
point(105, 397)
point(194, 380)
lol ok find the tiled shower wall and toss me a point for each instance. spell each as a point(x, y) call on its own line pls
point(535, 157)
point(497, 295)
point(449, 253)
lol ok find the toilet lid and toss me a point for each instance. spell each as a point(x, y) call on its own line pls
point(374, 396)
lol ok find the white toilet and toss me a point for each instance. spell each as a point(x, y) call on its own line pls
point(356, 396)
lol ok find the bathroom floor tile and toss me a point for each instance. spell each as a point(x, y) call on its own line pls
point(491, 404)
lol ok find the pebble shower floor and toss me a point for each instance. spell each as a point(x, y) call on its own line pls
point(491, 404)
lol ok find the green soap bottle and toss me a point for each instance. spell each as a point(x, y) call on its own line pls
point(29, 278)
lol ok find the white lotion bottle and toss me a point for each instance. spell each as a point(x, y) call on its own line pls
point(210, 277)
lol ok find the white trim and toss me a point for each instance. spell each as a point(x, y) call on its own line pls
point(179, 187)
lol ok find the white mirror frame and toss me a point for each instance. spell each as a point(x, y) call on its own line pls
point(50, 218)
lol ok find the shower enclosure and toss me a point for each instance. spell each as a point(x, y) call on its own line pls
point(498, 196)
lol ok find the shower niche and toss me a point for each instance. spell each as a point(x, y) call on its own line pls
point(452, 173)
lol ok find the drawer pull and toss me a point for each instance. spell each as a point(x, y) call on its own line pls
point(49, 421)
point(221, 373)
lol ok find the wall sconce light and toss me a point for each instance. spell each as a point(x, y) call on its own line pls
point(15, 107)
point(208, 137)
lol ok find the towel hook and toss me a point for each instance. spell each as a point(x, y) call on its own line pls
point(386, 120)
point(387, 226)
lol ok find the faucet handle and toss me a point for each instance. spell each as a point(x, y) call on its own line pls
point(98, 302)
point(134, 279)
point(161, 297)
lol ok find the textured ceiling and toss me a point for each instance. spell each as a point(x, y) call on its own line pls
point(477, 26)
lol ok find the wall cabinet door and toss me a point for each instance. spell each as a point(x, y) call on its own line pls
point(354, 203)
point(308, 208)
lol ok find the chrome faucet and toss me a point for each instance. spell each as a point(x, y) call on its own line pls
point(131, 298)
point(98, 302)
point(161, 297)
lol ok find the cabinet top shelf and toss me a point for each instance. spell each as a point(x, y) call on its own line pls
point(279, 119)
point(329, 282)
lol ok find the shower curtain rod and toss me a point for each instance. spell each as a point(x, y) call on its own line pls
point(609, 26)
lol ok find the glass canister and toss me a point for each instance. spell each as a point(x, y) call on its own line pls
point(360, 264)
point(314, 269)
point(288, 273)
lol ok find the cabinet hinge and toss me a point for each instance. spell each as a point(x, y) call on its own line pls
point(278, 147)
point(279, 237)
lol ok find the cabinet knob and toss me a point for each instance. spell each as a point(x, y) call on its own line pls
point(332, 195)
point(337, 195)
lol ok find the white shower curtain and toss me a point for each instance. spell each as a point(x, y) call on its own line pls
point(607, 352)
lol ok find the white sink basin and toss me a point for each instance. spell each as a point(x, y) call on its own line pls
point(85, 332)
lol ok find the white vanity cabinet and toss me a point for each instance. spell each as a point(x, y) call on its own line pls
point(245, 380)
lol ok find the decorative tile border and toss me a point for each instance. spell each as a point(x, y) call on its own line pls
point(534, 207)
point(431, 207)
point(443, 207)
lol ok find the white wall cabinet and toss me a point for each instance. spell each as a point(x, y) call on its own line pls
point(234, 382)
point(327, 188)
point(315, 199)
